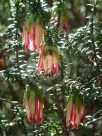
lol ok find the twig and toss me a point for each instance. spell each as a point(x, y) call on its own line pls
point(93, 121)
point(5, 100)
point(98, 112)
point(33, 124)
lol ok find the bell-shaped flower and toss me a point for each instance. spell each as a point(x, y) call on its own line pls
point(32, 36)
point(34, 108)
point(74, 112)
point(29, 103)
point(49, 60)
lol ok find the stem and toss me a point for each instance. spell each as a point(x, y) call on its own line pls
point(16, 37)
point(33, 124)
point(60, 111)
point(1, 131)
point(62, 87)
point(60, 114)
point(24, 127)
point(86, 10)
point(94, 47)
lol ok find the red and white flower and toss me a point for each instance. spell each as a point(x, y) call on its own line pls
point(32, 39)
point(34, 108)
point(49, 60)
point(74, 113)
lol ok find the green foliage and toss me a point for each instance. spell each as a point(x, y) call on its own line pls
point(80, 68)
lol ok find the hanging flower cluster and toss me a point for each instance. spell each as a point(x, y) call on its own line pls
point(34, 106)
point(32, 39)
point(49, 60)
point(32, 36)
point(74, 111)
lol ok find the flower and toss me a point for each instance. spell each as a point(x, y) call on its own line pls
point(49, 60)
point(74, 112)
point(2, 64)
point(34, 108)
point(63, 23)
point(32, 36)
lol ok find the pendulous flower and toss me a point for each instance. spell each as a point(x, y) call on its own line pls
point(49, 60)
point(34, 108)
point(74, 112)
point(32, 36)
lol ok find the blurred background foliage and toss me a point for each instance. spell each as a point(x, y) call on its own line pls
point(81, 69)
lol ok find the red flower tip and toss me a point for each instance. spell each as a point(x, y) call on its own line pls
point(54, 69)
point(65, 26)
point(30, 118)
